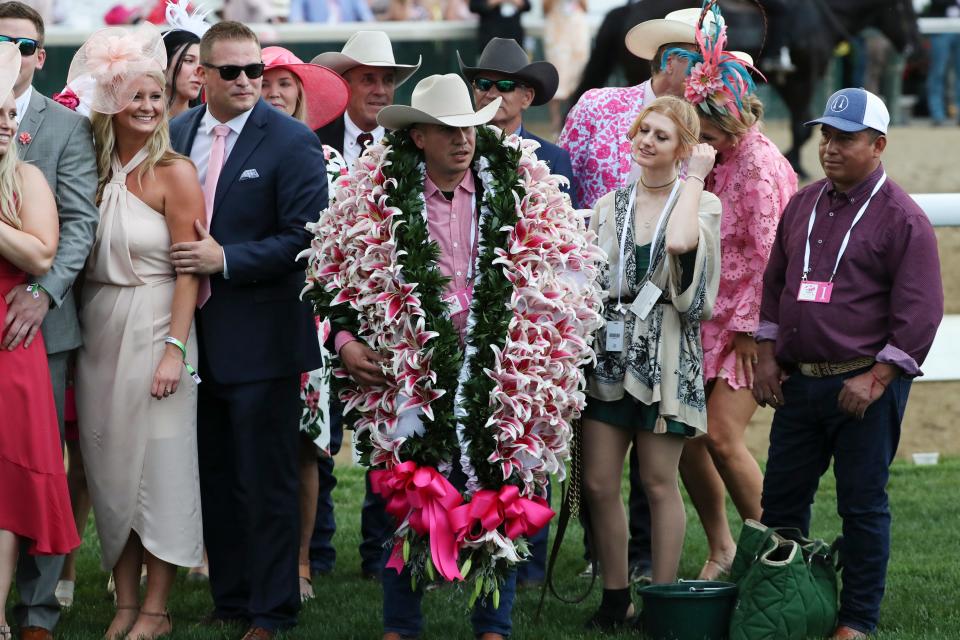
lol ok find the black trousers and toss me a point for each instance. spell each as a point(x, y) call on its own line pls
point(248, 444)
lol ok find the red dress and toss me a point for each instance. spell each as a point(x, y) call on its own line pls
point(34, 501)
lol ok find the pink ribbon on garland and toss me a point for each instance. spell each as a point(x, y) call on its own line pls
point(424, 497)
point(489, 509)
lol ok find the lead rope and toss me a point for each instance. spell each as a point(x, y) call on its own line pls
point(572, 505)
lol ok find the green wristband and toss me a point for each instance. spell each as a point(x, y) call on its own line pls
point(183, 349)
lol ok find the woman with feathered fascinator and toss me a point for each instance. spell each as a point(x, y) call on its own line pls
point(182, 42)
point(754, 182)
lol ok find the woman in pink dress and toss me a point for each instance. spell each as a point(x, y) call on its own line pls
point(754, 182)
point(34, 502)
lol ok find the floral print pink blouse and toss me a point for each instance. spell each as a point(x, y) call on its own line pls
point(595, 135)
point(754, 183)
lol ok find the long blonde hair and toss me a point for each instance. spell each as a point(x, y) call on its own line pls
point(159, 152)
point(300, 113)
point(10, 187)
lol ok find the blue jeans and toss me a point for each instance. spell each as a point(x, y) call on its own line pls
point(809, 430)
point(944, 51)
point(401, 605)
point(535, 569)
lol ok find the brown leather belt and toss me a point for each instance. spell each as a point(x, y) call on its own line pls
point(824, 369)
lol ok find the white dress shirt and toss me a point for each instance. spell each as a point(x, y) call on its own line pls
point(203, 142)
point(351, 150)
point(23, 103)
point(200, 152)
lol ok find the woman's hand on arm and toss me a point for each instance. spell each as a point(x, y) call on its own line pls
point(33, 247)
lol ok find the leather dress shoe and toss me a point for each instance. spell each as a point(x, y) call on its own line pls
point(258, 633)
point(35, 633)
point(847, 633)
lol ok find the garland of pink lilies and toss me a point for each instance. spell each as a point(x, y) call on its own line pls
point(503, 404)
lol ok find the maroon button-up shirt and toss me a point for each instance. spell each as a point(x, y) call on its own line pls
point(887, 298)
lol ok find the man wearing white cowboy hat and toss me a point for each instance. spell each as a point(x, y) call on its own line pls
point(366, 62)
point(595, 133)
point(442, 124)
point(505, 71)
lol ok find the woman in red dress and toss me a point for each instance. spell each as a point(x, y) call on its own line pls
point(34, 502)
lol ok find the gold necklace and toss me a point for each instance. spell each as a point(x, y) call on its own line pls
point(662, 186)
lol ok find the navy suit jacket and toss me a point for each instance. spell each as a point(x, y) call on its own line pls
point(254, 327)
point(557, 159)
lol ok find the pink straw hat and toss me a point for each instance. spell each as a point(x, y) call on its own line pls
point(326, 92)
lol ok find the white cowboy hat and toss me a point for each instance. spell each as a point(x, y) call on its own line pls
point(443, 100)
point(370, 49)
point(678, 26)
point(9, 68)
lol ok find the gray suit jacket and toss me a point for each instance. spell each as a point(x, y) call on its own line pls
point(61, 146)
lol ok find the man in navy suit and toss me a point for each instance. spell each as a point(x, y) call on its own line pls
point(264, 177)
point(504, 71)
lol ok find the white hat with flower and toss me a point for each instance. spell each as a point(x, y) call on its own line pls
point(105, 69)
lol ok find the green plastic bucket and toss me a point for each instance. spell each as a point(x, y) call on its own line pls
point(688, 610)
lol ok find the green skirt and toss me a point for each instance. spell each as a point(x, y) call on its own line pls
point(632, 416)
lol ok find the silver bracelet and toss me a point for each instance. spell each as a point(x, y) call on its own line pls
point(697, 178)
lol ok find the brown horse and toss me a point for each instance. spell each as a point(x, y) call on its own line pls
point(814, 28)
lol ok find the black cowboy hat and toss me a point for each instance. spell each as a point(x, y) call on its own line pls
point(505, 56)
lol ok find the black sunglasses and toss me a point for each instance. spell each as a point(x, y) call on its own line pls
point(28, 46)
point(503, 86)
point(232, 71)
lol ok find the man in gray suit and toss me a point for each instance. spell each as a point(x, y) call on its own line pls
point(59, 143)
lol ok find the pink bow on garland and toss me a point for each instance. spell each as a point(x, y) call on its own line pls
point(425, 498)
point(489, 509)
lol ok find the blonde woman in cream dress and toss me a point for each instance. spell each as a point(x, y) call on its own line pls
point(137, 404)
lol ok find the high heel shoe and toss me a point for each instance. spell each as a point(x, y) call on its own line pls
point(123, 632)
point(714, 570)
point(155, 614)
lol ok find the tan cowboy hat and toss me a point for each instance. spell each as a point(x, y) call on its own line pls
point(678, 26)
point(443, 100)
point(9, 68)
point(370, 49)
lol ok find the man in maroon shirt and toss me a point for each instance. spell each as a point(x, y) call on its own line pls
point(851, 303)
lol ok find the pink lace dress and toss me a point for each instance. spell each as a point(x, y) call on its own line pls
point(754, 182)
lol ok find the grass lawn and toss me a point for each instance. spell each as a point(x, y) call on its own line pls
point(922, 602)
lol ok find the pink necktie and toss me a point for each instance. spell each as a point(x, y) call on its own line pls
point(217, 152)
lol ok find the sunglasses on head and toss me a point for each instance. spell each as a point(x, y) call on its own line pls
point(232, 71)
point(503, 86)
point(28, 46)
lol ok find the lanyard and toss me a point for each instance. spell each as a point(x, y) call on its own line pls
point(474, 223)
point(656, 232)
point(846, 238)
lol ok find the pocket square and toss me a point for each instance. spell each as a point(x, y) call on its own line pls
point(249, 174)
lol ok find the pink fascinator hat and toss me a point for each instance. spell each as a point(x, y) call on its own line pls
point(717, 80)
point(106, 67)
point(9, 68)
point(325, 92)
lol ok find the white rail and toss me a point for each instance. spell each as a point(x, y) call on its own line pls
point(943, 209)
